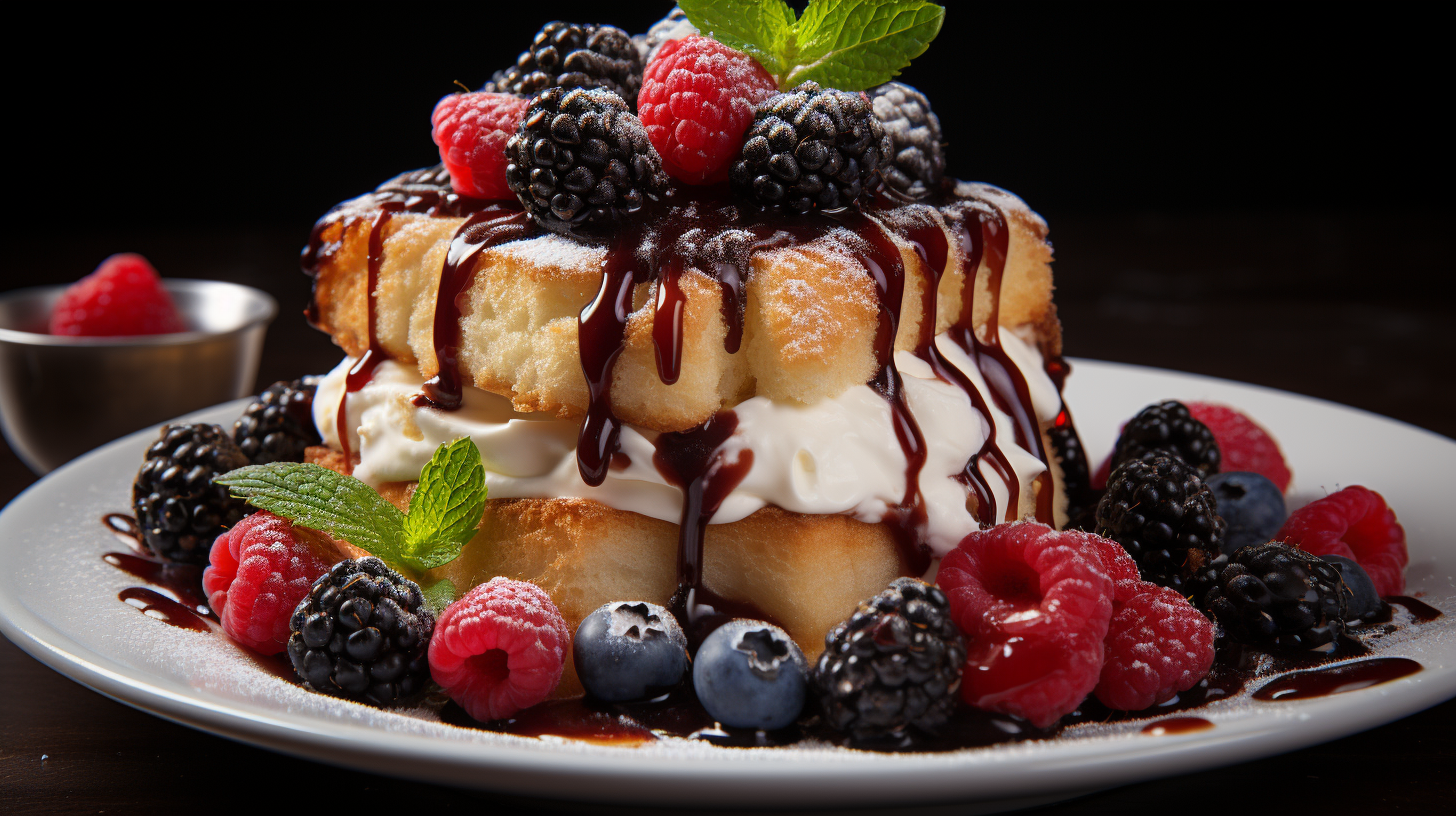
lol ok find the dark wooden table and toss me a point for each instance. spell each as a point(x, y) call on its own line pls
point(1339, 307)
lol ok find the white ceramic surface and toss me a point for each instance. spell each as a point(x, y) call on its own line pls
point(58, 601)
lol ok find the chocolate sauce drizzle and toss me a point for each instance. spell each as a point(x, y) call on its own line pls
point(703, 232)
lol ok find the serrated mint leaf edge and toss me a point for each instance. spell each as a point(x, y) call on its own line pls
point(439, 595)
point(827, 56)
point(308, 495)
point(446, 507)
point(761, 29)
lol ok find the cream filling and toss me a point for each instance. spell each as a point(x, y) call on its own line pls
point(838, 455)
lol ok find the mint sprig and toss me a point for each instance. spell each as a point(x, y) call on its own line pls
point(444, 511)
point(851, 45)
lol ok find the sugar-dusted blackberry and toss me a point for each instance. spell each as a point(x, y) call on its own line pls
point(178, 507)
point(917, 160)
point(811, 149)
point(278, 424)
point(362, 632)
point(895, 664)
point(1277, 596)
point(581, 157)
point(1167, 520)
point(575, 55)
point(1168, 429)
point(1076, 476)
point(674, 26)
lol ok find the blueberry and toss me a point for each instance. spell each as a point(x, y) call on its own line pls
point(1362, 602)
point(629, 651)
point(750, 674)
point(1252, 506)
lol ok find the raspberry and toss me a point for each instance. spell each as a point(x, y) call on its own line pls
point(1157, 645)
point(499, 649)
point(123, 297)
point(1357, 524)
point(260, 570)
point(1117, 563)
point(472, 130)
point(1034, 605)
point(1245, 446)
point(696, 101)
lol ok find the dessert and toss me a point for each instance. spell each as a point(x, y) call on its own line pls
point(761, 406)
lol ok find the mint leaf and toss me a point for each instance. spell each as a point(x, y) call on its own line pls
point(758, 28)
point(439, 595)
point(316, 497)
point(446, 506)
point(858, 44)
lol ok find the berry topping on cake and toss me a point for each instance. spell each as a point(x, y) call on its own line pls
point(917, 161)
point(1157, 646)
point(123, 297)
point(278, 425)
point(1034, 605)
point(361, 632)
point(896, 663)
point(574, 55)
point(811, 149)
point(499, 649)
point(179, 509)
point(1167, 520)
point(1355, 523)
point(1167, 429)
point(581, 157)
point(1242, 443)
point(471, 130)
point(698, 96)
point(751, 674)
point(1251, 506)
point(1362, 602)
point(261, 569)
point(1275, 596)
point(630, 650)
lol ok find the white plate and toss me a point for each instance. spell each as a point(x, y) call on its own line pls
point(58, 601)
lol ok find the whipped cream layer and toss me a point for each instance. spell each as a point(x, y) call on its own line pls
point(836, 456)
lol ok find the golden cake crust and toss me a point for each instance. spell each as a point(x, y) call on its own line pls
point(810, 317)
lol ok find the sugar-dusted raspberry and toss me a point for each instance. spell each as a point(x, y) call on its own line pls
point(500, 648)
point(696, 101)
point(1034, 605)
point(260, 570)
point(1157, 646)
point(1355, 523)
point(123, 297)
point(1244, 444)
point(1116, 562)
point(472, 130)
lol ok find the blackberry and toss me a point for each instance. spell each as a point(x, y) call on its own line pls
point(1167, 519)
point(362, 632)
point(581, 157)
point(1277, 596)
point(178, 507)
point(811, 148)
point(1168, 429)
point(917, 162)
point(575, 55)
point(675, 26)
point(1076, 476)
point(895, 663)
point(278, 424)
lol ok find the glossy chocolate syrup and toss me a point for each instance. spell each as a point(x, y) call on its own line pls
point(494, 225)
point(1176, 725)
point(704, 232)
point(1420, 611)
point(1337, 679)
point(155, 605)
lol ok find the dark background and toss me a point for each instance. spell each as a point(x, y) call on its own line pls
point(1261, 195)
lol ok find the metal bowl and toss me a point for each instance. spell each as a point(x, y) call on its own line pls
point(63, 396)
